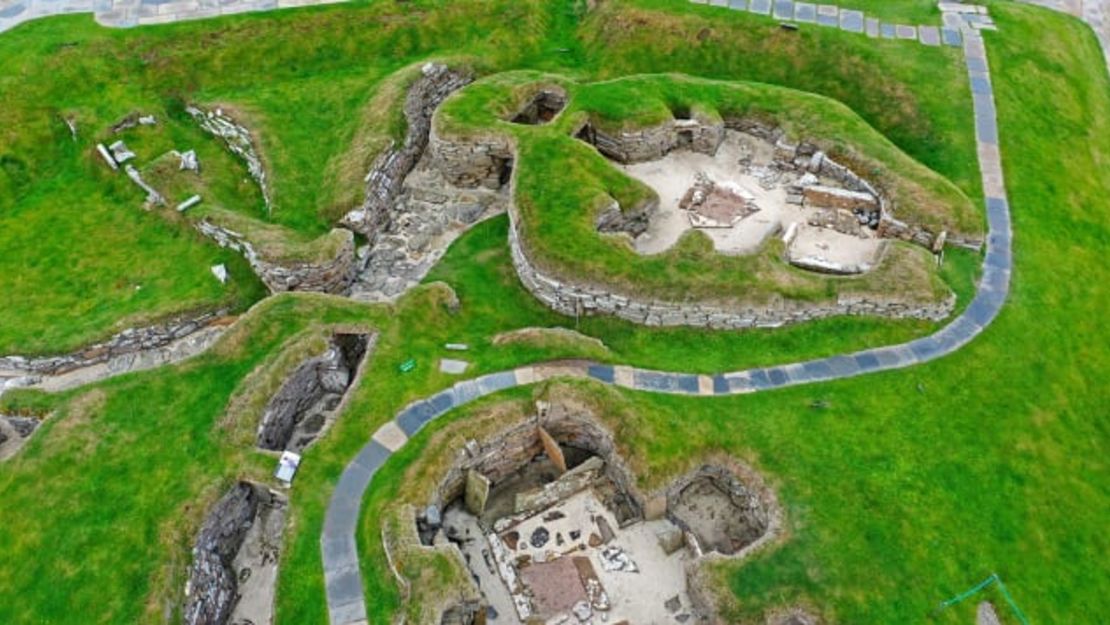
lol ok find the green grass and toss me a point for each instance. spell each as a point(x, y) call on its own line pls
point(304, 77)
point(900, 490)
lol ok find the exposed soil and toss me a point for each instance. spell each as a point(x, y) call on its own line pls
point(722, 513)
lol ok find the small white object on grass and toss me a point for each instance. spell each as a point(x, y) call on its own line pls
point(220, 271)
point(287, 467)
point(189, 203)
point(106, 156)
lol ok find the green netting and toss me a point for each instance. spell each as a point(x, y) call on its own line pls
point(983, 585)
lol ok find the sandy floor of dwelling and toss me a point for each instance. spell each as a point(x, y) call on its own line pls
point(637, 597)
point(675, 173)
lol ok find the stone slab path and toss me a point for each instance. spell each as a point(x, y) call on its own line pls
point(128, 13)
point(1095, 12)
point(343, 580)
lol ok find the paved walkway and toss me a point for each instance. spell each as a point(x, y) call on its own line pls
point(346, 604)
point(127, 13)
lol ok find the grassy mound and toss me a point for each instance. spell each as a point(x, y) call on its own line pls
point(557, 211)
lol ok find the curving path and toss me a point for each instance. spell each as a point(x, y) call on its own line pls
point(346, 603)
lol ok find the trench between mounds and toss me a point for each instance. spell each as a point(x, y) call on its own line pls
point(551, 526)
point(310, 397)
point(235, 559)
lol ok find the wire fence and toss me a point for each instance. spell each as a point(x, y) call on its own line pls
point(994, 579)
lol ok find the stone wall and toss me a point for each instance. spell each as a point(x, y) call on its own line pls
point(332, 276)
point(211, 589)
point(238, 140)
point(574, 300)
point(387, 175)
point(473, 161)
point(651, 144)
point(502, 454)
point(480, 160)
point(130, 341)
point(311, 384)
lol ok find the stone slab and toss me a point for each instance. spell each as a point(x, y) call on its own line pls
point(929, 35)
point(871, 27)
point(951, 37)
point(391, 436)
point(828, 15)
point(805, 12)
point(784, 9)
point(851, 21)
point(905, 31)
point(888, 31)
point(738, 5)
point(760, 7)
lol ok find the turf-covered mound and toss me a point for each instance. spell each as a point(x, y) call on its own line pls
point(563, 185)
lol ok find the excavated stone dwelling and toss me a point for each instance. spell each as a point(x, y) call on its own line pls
point(553, 530)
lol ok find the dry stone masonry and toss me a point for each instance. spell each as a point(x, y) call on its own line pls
point(387, 175)
point(248, 515)
point(303, 405)
point(130, 341)
point(331, 276)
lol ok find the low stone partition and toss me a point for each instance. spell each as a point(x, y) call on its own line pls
point(331, 276)
point(503, 454)
point(387, 175)
point(576, 300)
point(653, 143)
point(130, 341)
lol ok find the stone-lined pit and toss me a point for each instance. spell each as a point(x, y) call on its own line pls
point(542, 107)
point(743, 187)
point(551, 526)
point(308, 399)
point(235, 558)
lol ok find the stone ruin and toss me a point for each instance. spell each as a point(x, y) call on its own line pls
point(544, 106)
point(741, 184)
point(15, 431)
point(234, 571)
point(550, 525)
point(310, 397)
point(411, 212)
